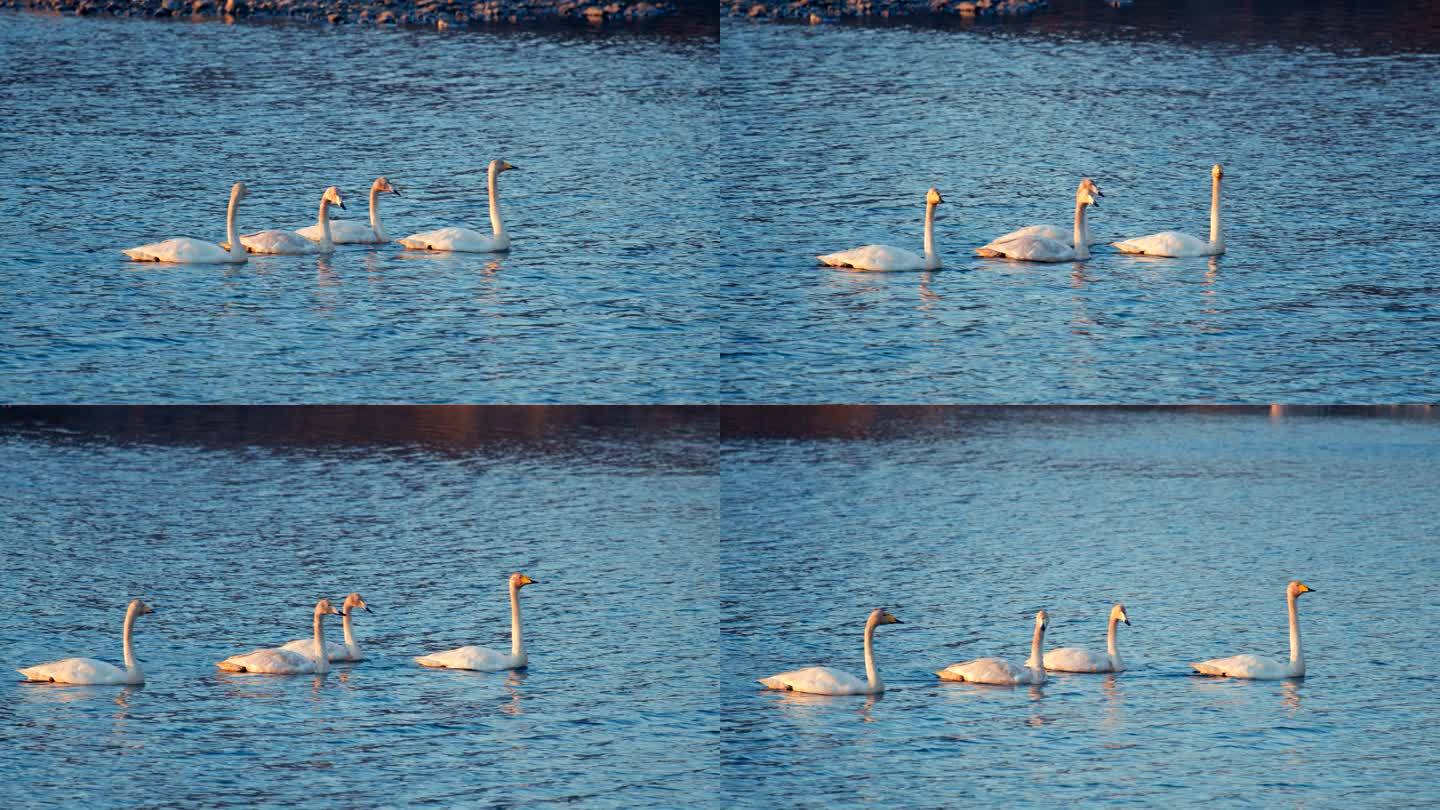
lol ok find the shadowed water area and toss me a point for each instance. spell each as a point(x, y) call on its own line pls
point(123, 132)
point(233, 532)
point(964, 523)
point(1325, 122)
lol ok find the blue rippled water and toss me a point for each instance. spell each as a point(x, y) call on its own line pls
point(121, 132)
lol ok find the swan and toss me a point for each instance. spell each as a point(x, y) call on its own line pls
point(1047, 243)
point(1077, 659)
point(464, 239)
point(1265, 669)
point(485, 659)
point(348, 232)
point(1182, 245)
point(185, 250)
point(884, 257)
point(280, 661)
point(828, 681)
point(1000, 672)
point(350, 650)
point(290, 243)
point(91, 671)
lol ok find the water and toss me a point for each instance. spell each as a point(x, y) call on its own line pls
point(966, 523)
point(122, 132)
point(232, 533)
point(1327, 293)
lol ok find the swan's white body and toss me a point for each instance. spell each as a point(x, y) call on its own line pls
point(185, 250)
point(1266, 669)
point(350, 650)
point(280, 661)
point(1000, 672)
point(887, 258)
point(291, 243)
point(349, 232)
point(1175, 244)
point(90, 670)
point(464, 240)
point(1077, 659)
point(484, 659)
point(828, 681)
point(1048, 243)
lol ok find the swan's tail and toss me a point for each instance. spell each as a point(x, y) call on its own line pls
point(1126, 247)
point(989, 253)
point(413, 244)
point(1207, 669)
point(947, 675)
point(426, 661)
point(32, 675)
point(230, 666)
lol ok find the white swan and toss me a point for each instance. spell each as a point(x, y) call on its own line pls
point(1046, 243)
point(828, 681)
point(280, 661)
point(1182, 245)
point(463, 239)
point(1000, 672)
point(185, 250)
point(1265, 669)
point(91, 671)
point(1077, 659)
point(290, 243)
point(350, 650)
point(884, 257)
point(349, 232)
point(485, 659)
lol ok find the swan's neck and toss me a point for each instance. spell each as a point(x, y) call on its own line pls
point(872, 675)
point(1217, 238)
point(1037, 650)
point(325, 220)
point(349, 633)
point(322, 658)
point(379, 235)
point(1110, 648)
point(931, 259)
point(131, 666)
point(232, 234)
point(517, 642)
point(495, 224)
point(1297, 658)
point(1082, 244)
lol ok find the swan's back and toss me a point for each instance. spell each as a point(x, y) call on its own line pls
point(76, 670)
point(817, 681)
point(457, 239)
point(342, 232)
point(1054, 232)
point(1030, 249)
point(987, 670)
point(482, 659)
point(278, 242)
point(1172, 244)
point(269, 662)
point(875, 257)
point(306, 647)
point(1244, 666)
point(181, 250)
point(1076, 659)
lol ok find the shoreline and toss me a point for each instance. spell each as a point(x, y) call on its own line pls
point(661, 16)
point(816, 12)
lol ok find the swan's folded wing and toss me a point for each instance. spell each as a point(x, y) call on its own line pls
point(342, 232)
point(1075, 659)
point(875, 257)
point(286, 243)
point(482, 659)
point(306, 647)
point(1055, 232)
point(181, 250)
point(271, 662)
point(982, 670)
point(1166, 243)
point(458, 239)
point(817, 681)
point(75, 670)
point(1241, 666)
point(1030, 249)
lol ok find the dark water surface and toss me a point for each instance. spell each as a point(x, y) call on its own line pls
point(965, 523)
point(123, 132)
point(233, 540)
point(1329, 290)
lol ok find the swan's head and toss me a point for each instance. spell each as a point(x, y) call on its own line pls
point(139, 608)
point(519, 580)
point(932, 197)
point(497, 165)
point(1296, 587)
point(1042, 620)
point(1088, 193)
point(1216, 171)
point(324, 608)
point(1118, 614)
point(353, 601)
point(239, 191)
point(383, 186)
point(883, 616)
point(332, 195)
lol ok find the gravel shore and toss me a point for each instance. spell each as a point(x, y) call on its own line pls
point(819, 11)
point(431, 13)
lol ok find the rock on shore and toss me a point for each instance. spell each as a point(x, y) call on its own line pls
point(434, 13)
point(819, 11)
